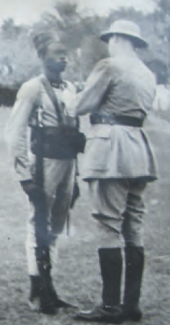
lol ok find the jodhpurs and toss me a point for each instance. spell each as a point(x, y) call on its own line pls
point(118, 208)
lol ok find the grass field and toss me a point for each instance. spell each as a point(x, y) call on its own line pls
point(76, 275)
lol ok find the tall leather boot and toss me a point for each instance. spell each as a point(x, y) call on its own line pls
point(111, 270)
point(134, 265)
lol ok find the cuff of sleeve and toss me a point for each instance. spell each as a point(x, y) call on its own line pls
point(24, 176)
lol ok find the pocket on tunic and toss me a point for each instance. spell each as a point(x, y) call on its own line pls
point(99, 131)
point(97, 153)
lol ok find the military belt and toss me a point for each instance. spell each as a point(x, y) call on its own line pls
point(114, 120)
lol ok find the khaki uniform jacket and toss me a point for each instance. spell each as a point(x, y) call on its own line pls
point(32, 94)
point(118, 86)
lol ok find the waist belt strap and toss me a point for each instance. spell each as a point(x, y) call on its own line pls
point(58, 142)
point(113, 120)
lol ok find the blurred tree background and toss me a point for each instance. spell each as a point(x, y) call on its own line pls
point(79, 33)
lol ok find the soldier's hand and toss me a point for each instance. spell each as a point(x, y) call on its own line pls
point(34, 192)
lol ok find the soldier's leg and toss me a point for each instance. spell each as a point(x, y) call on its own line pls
point(39, 264)
point(59, 181)
point(32, 263)
point(63, 196)
point(134, 250)
point(33, 222)
point(31, 244)
point(108, 204)
point(39, 238)
point(133, 216)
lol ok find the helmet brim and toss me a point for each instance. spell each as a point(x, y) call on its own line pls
point(137, 41)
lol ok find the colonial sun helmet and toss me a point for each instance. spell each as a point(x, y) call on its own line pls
point(126, 28)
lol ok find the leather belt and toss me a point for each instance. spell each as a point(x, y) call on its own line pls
point(113, 120)
point(57, 143)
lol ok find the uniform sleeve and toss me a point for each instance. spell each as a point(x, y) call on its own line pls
point(95, 88)
point(17, 129)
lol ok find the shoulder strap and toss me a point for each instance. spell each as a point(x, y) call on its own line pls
point(50, 92)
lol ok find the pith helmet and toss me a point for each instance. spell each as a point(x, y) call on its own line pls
point(127, 28)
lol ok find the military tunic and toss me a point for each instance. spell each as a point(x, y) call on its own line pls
point(59, 175)
point(118, 87)
point(119, 159)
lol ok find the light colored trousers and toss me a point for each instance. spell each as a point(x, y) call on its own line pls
point(118, 208)
point(59, 177)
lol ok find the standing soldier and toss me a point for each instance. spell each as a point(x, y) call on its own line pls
point(118, 164)
point(47, 171)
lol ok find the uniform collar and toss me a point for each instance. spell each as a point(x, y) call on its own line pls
point(59, 85)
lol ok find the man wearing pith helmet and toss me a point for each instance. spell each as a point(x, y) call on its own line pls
point(118, 165)
point(47, 173)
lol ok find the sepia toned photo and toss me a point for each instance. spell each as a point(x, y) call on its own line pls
point(84, 169)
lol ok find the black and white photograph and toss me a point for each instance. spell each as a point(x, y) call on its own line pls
point(85, 162)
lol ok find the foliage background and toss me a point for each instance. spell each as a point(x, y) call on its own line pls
point(76, 275)
point(80, 34)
